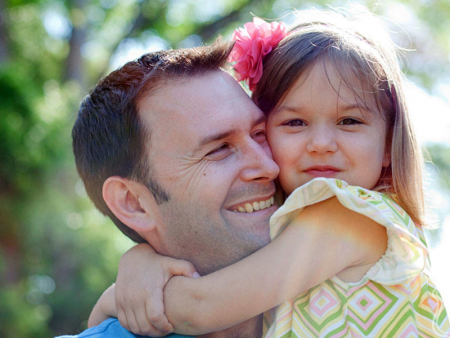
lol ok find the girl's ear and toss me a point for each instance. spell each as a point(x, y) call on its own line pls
point(131, 202)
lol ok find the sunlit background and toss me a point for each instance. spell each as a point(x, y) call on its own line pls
point(57, 253)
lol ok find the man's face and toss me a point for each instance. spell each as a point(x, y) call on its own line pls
point(209, 152)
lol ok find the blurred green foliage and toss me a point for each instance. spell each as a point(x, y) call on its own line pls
point(57, 253)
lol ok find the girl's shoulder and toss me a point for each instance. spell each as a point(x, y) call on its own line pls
point(406, 253)
point(376, 205)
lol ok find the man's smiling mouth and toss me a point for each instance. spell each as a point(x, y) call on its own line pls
point(254, 206)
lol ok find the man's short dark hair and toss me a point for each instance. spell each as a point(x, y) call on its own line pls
point(108, 136)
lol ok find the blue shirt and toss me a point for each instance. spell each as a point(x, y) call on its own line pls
point(112, 328)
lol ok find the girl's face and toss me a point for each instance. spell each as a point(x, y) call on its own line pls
point(321, 129)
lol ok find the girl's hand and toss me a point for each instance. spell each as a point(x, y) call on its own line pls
point(105, 307)
point(140, 282)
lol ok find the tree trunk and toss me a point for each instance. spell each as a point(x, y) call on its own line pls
point(74, 61)
point(10, 250)
point(4, 52)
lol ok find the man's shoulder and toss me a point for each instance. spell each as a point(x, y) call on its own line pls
point(110, 328)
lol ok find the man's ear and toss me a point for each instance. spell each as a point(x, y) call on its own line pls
point(131, 202)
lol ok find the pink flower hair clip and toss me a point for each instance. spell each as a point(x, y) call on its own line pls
point(253, 42)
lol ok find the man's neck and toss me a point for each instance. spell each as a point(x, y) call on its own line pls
point(251, 328)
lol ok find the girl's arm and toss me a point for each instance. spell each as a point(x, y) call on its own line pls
point(104, 308)
point(140, 309)
point(326, 239)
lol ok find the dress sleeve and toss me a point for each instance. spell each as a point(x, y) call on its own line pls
point(406, 253)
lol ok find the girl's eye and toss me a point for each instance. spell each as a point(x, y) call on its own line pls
point(349, 121)
point(219, 153)
point(295, 123)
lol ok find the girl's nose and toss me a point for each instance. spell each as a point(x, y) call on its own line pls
point(321, 141)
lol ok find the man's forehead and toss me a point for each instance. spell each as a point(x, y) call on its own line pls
point(201, 102)
point(182, 94)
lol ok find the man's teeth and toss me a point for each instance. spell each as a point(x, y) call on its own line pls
point(249, 208)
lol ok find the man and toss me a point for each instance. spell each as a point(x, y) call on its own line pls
point(169, 147)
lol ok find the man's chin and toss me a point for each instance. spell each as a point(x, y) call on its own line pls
point(252, 226)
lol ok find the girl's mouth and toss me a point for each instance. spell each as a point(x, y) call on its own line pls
point(322, 171)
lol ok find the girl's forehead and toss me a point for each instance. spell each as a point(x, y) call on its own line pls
point(325, 80)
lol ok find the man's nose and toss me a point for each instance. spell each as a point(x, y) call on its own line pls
point(322, 140)
point(258, 163)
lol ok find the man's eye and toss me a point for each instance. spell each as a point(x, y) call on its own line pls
point(295, 123)
point(260, 137)
point(219, 153)
point(349, 121)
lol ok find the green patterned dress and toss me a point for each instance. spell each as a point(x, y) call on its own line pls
point(396, 298)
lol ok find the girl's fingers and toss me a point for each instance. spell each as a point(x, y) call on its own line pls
point(121, 316)
point(145, 326)
point(132, 323)
point(183, 268)
point(157, 317)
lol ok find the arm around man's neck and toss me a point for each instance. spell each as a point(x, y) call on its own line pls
point(324, 240)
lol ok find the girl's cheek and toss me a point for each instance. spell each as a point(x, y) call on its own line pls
point(271, 139)
point(278, 151)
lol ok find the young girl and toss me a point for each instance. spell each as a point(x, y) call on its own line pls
point(339, 130)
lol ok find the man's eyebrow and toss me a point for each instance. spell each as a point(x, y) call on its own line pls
point(214, 137)
point(260, 120)
point(221, 135)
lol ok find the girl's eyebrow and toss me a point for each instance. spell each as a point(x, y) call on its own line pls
point(343, 106)
point(294, 109)
point(363, 108)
